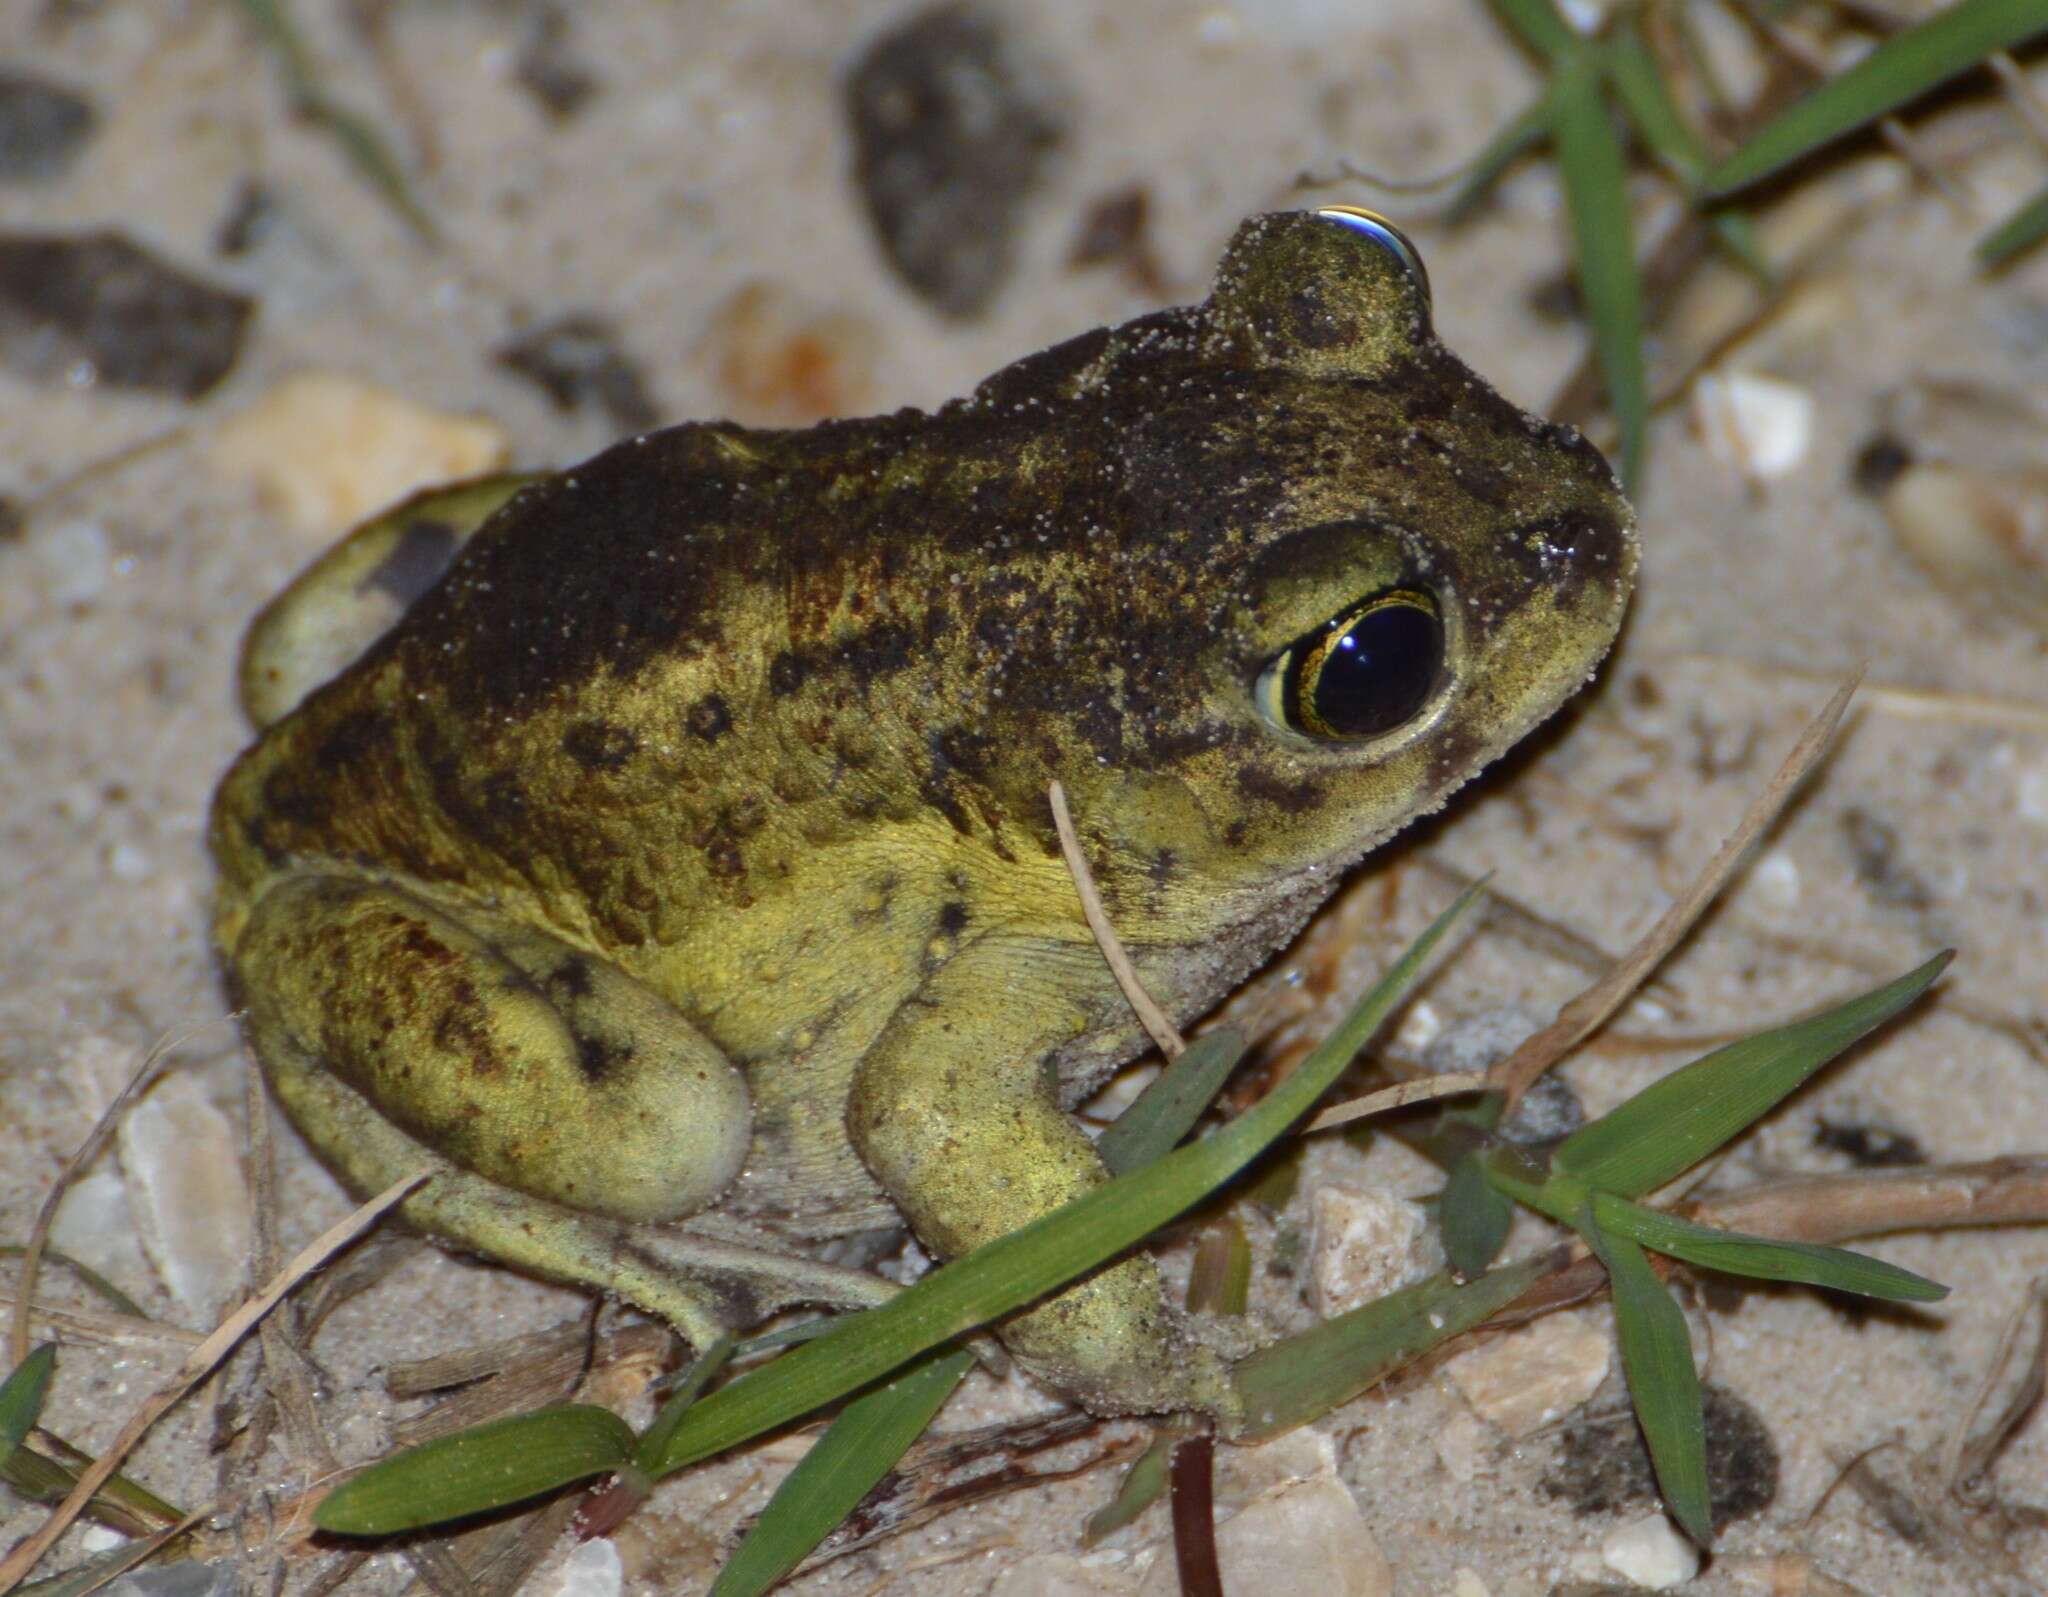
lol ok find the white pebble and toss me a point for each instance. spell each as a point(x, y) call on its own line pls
point(185, 1185)
point(594, 1569)
point(1651, 1553)
point(1775, 877)
point(1761, 426)
point(1462, 1445)
point(1529, 1377)
point(1306, 1537)
point(330, 450)
point(1365, 1245)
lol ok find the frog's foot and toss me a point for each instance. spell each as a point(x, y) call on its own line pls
point(561, 1105)
point(958, 1121)
point(346, 599)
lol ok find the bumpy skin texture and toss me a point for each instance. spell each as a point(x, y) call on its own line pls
point(684, 851)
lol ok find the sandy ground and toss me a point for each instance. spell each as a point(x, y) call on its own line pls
point(697, 198)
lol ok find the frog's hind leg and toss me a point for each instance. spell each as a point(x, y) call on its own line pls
point(342, 603)
point(560, 1105)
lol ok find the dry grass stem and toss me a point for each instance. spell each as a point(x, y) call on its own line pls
point(1585, 1014)
point(81, 1156)
point(1967, 1456)
point(1402, 1093)
point(1150, 1015)
point(28, 1553)
point(110, 1329)
point(1898, 699)
point(2008, 1191)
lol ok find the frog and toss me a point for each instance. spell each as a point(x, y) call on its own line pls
point(674, 882)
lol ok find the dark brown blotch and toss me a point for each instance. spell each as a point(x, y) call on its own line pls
point(599, 746)
point(709, 719)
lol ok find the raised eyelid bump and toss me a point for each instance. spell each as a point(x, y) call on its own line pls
point(1386, 235)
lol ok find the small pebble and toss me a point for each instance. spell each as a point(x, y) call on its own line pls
point(951, 136)
point(96, 308)
point(1980, 533)
point(1306, 1537)
point(1651, 1553)
point(43, 125)
point(1761, 426)
point(328, 450)
point(592, 1570)
point(1527, 1378)
point(1463, 1444)
point(1367, 1243)
point(184, 1167)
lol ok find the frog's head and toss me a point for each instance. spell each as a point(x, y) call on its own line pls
point(1358, 573)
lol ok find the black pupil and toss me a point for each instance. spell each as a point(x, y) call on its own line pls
point(1378, 673)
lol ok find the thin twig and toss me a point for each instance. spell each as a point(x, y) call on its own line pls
point(108, 1329)
point(81, 1156)
point(2009, 1191)
point(1899, 699)
point(196, 1367)
point(1401, 1094)
point(1586, 1013)
point(1150, 1015)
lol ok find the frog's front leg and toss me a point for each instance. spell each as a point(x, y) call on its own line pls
point(958, 1118)
point(562, 1105)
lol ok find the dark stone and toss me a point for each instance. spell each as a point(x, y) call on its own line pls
point(1879, 463)
point(549, 70)
point(950, 138)
point(576, 361)
point(42, 127)
point(1868, 1147)
point(101, 302)
point(1602, 1465)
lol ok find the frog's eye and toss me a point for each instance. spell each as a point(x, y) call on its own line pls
point(1364, 674)
point(1383, 233)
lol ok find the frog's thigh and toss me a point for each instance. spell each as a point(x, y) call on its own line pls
point(346, 599)
point(519, 1059)
point(957, 1118)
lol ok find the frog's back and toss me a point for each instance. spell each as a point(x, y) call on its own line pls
point(679, 678)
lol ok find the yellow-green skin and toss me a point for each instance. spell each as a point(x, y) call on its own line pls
point(676, 878)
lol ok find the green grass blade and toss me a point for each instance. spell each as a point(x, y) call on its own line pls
point(1640, 87)
point(1674, 1123)
point(2019, 232)
point(1144, 1483)
point(21, 1398)
point(1762, 1258)
point(1474, 1216)
point(126, 1505)
point(474, 1471)
point(1303, 1377)
point(1899, 70)
point(1028, 1263)
point(654, 1440)
point(1656, 1356)
point(1167, 1110)
point(1594, 168)
point(862, 1445)
point(118, 1300)
point(1541, 27)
